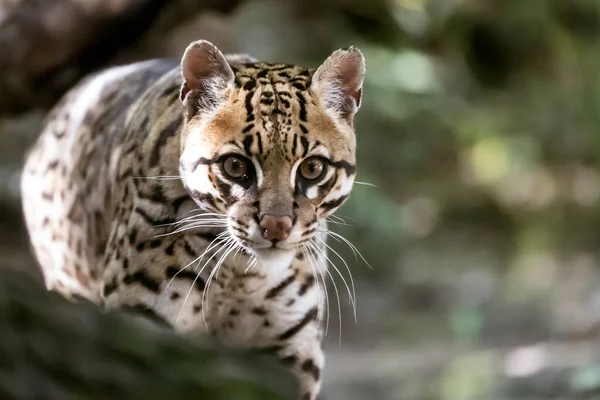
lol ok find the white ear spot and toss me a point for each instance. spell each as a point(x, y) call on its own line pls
point(338, 81)
point(206, 74)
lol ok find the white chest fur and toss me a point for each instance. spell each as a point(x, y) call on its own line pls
point(249, 306)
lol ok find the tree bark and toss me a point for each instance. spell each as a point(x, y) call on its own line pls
point(47, 45)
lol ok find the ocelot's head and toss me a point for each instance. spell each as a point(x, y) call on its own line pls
point(270, 146)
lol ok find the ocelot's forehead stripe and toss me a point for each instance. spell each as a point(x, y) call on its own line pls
point(275, 106)
point(248, 104)
point(247, 143)
point(302, 104)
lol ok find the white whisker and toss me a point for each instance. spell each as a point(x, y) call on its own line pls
point(189, 228)
point(196, 218)
point(365, 184)
point(203, 223)
point(314, 265)
point(231, 244)
point(342, 239)
point(319, 297)
point(351, 295)
point(343, 217)
point(200, 224)
point(336, 222)
point(251, 263)
point(159, 178)
point(336, 219)
point(199, 259)
point(199, 217)
point(194, 223)
point(197, 276)
point(335, 288)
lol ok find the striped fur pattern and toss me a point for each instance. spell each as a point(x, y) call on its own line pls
point(150, 184)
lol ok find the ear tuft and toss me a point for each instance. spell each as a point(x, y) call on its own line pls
point(205, 73)
point(339, 80)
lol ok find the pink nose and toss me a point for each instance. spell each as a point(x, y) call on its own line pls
point(275, 227)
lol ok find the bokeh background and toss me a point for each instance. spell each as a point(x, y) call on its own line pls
point(479, 141)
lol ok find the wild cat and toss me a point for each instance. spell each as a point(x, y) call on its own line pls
point(198, 191)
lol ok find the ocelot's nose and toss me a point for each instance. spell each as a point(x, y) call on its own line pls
point(275, 227)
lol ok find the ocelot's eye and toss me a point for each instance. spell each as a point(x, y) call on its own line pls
point(236, 167)
point(312, 169)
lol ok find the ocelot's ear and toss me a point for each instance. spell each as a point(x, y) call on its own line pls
point(338, 81)
point(206, 75)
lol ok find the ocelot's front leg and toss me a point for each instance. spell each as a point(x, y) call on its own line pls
point(304, 356)
point(297, 343)
point(278, 316)
point(297, 338)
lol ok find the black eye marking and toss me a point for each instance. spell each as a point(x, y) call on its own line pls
point(304, 143)
point(346, 166)
point(201, 161)
point(204, 198)
point(330, 205)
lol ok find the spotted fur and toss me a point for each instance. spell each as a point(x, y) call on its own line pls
point(128, 204)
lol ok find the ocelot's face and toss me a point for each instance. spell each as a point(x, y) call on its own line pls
point(273, 149)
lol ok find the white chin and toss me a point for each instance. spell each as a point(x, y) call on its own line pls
point(273, 255)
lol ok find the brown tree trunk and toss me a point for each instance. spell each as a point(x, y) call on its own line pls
point(47, 45)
